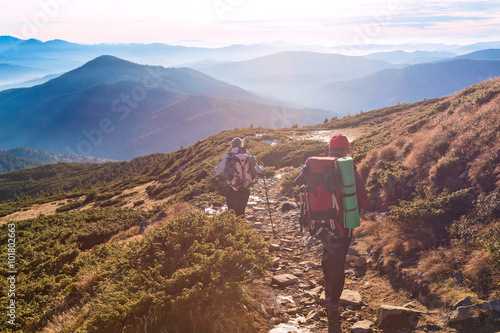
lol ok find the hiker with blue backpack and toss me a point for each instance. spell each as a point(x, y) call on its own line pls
point(238, 168)
point(332, 193)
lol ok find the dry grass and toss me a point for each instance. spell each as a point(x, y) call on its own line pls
point(388, 239)
point(440, 264)
point(480, 273)
point(62, 322)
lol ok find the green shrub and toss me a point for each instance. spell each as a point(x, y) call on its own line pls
point(269, 172)
point(287, 186)
point(180, 274)
point(138, 203)
point(429, 210)
point(70, 206)
point(466, 232)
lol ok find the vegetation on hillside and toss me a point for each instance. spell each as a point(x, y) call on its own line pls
point(431, 167)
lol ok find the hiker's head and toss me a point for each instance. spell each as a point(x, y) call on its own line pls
point(339, 145)
point(236, 142)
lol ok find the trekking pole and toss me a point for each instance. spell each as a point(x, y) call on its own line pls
point(268, 203)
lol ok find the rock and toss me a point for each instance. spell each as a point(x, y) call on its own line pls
point(353, 252)
point(310, 264)
point(314, 293)
point(274, 247)
point(460, 314)
point(257, 225)
point(299, 234)
point(360, 262)
point(463, 302)
point(276, 262)
point(298, 273)
point(287, 206)
point(468, 312)
point(350, 297)
point(422, 298)
point(312, 315)
point(351, 258)
point(411, 305)
point(285, 299)
point(388, 315)
point(284, 280)
point(361, 326)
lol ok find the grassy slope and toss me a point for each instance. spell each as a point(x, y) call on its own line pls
point(420, 161)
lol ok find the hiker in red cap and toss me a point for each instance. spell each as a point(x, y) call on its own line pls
point(335, 252)
point(332, 192)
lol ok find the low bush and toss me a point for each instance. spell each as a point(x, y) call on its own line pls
point(180, 275)
point(431, 211)
point(70, 206)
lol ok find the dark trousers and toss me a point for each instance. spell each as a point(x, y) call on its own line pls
point(333, 262)
point(237, 200)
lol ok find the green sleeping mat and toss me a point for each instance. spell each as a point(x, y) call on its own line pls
point(350, 200)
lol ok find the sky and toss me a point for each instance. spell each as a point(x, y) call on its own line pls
point(224, 22)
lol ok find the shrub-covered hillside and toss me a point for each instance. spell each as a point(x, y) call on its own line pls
point(432, 169)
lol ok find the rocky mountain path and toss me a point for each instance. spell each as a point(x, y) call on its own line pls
point(291, 295)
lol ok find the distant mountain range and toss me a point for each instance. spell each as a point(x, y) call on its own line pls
point(411, 58)
point(405, 85)
point(115, 109)
point(22, 158)
point(286, 75)
point(58, 56)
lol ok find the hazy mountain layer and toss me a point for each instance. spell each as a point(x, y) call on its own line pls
point(115, 109)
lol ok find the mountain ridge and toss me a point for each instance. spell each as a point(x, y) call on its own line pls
point(100, 108)
point(406, 85)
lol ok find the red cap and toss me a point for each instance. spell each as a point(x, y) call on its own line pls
point(339, 141)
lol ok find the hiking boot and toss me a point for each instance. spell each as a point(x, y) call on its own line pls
point(333, 313)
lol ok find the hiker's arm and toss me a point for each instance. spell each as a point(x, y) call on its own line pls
point(259, 168)
point(361, 191)
point(219, 169)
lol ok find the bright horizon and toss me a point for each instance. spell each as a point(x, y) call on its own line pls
point(213, 23)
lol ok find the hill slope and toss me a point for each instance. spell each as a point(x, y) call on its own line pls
point(431, 167)
point(107, 108)
point(22, 158)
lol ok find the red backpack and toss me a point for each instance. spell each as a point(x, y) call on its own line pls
point(322, 198)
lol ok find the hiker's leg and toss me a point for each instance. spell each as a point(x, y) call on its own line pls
point(242, 195)
point(231, 199)
point(337, 270)
point(333, 261)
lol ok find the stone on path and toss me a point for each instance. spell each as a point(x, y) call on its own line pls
point(350, 297)
point(351, 258)
point(360, 262)
point(274, 247)
point(397, 315)
point(284, 280)
point(361, 326)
